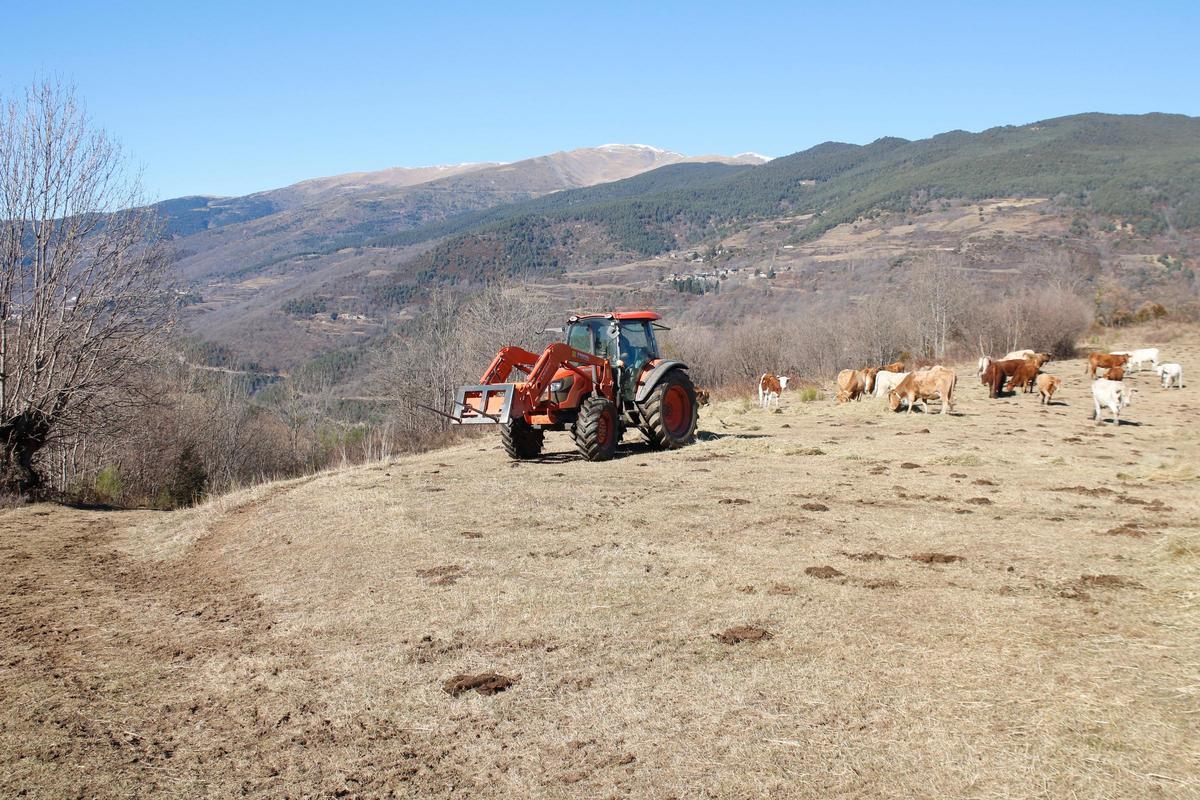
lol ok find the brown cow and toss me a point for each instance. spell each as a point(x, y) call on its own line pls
point(1041, 359)
point(770, 387)
point(851, 384)
point(925, 385)
point(1047, 385)
point(895, 366)
point(1024, 376)
point(1105, 360)
point(995, 374)
point(1115, 373)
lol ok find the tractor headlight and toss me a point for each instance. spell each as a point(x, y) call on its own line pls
point(559, 389)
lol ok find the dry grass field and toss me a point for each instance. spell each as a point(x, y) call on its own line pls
point(1003, 602)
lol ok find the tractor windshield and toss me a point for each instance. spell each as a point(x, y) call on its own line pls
point(635, 344)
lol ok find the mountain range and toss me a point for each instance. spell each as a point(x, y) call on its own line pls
point(332, 261)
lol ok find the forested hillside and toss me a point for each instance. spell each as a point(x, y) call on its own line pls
point(1144, 170)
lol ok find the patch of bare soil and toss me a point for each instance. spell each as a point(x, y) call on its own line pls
point(1109, 582)
point(446, 575)
point(826, 572)
point(936, 558)
point(867, 556)
point(743, 633)
point(1099, 491)
point(1134, 530)
point(815, 507)
point(485, 683)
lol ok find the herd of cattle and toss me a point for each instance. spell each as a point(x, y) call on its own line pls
point(1020, 369)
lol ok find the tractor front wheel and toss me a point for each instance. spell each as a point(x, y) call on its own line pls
point(596, 432)
point(522, 440)
point(669, 413)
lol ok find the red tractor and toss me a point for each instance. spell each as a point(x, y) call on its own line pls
point(605, 378)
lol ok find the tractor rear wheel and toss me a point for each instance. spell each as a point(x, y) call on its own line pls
point(522, 440)
point(596, 432)
point(669, 413)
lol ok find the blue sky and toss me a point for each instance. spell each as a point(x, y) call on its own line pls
point(230, 98)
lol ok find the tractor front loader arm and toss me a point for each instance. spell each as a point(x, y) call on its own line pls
point(495, 400)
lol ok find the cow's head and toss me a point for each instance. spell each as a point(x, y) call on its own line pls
point(1126, 397)
point(783, 382)
point(894, 400)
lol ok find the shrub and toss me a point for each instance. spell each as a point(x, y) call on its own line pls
point(809, 393)
point(188, 479)
point(108, 486)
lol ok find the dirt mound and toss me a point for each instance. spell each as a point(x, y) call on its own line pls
point(815, 507)
point(936, 558)
point(1133, 530)
point(869, 556)
point(743, 633)
point(1109, 582)
point(485, 683)
point(1099, 491)
point(826, 572)
point(734, 501)
point(445, 575)
point(979, 501)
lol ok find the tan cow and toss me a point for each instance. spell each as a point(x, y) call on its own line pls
point(854, 383)
point(1047, 385)
point(925, 385)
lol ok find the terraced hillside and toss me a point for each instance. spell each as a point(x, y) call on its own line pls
point(999, 602)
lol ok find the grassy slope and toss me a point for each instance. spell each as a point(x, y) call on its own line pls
point(293, 639)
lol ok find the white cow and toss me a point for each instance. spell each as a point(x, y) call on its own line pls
point(1139, 357)
point(1170, 374)
point(886, 381)
point(982, 366)
point(1114, 395)
point(1018, 355)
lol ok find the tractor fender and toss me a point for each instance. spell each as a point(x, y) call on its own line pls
point(651, 378)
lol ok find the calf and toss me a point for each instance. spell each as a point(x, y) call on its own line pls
point(925, 385)
point(1139, 357)
point(1024, 375)
point(886, 381)
point(1113, 394)
point(996, 373)
point(1170, 374)
point(769, 388)
point(1115, 374)
point(1106, 360)
point(1047, 385)
point(982, 365)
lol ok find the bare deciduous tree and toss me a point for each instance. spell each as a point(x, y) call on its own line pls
point(81, 294)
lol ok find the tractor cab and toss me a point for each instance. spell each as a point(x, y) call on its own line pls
point(624, 339)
